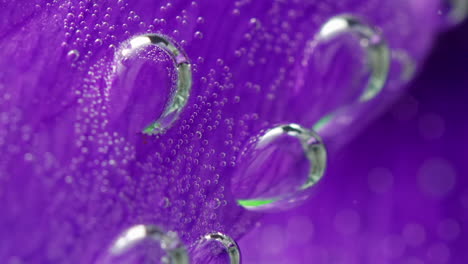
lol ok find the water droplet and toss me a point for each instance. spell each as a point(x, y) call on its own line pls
point(340, 114)
point(73, 55)
point(370, 39)
point(213, 245)
point(183, 84)
point(175, 252)
point(278, 168)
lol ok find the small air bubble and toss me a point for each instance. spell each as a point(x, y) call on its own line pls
point(98, 42)
point(198, 35)
point(73, 55)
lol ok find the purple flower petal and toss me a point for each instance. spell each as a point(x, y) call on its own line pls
point(74, 172)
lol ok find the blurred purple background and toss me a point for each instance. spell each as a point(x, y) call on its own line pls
point(398, 193)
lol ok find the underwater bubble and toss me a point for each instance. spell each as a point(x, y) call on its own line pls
point(179, 92)
point(216, 248)
point(73, 55)
point(277, 168)
point(370, 39)
point(362, 46)
point(137, 243)
point(198, 35)
point(98, 42)
point(140, 90)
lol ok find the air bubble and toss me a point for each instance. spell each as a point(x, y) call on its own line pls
point(371, 40)
point(73, 55)
point(70, 16)
point(215, 246)
point(198, 35)
point(277, 168)
point(98, 42)
point(183, 83)
point(138, 235)
point(340, 116)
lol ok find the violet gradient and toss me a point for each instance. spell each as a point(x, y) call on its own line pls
point(73, 173)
